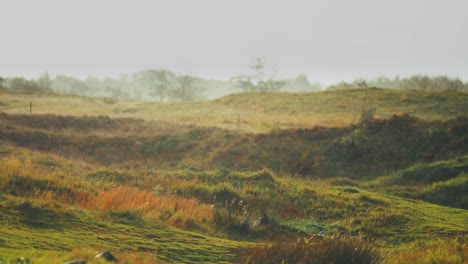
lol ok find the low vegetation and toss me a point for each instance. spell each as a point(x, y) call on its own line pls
point(444, 182)
point(388, 189)
point(253, 112)
point(334, 249)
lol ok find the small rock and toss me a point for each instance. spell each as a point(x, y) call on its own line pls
point(78, 261)
point(107, 256)
point(23, 260)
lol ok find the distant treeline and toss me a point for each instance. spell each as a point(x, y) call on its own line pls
point(415, 82)
point(164, 85)
point(150, 84)
point(160, 85)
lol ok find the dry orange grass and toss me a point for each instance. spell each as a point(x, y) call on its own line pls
point(22, 176)
point(14, 166)
point(334, 249)
point(173, 210)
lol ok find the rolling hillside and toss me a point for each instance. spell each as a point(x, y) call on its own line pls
point(220, 181)
point(257, 112)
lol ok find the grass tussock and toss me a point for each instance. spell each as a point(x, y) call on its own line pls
point(173, 210)
point(333, 249)
point(23, 177)
point(449, 250)
point(443, 182)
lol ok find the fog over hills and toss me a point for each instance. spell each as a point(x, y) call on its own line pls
point(328, 41)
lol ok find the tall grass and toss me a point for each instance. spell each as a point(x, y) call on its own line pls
point(449, 250)
point(173, 210)
point(233, 204)
point(333, 249)
point(258, 112)
point(22, 176)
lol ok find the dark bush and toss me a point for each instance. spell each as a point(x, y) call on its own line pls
point(232, 219)
point(452, 194)
point(344, 182)
point(429, 174)
point(110, 175)
point(124, 217)
point(263, 175)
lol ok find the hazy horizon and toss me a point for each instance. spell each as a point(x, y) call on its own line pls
point(329, 41)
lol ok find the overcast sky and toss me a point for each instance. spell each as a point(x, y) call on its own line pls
point(329, 40)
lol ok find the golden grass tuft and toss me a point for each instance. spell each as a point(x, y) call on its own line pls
point(173, 210)
point(333, 249)
point(448, 250)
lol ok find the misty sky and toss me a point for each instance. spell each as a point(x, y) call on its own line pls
point(329, 40)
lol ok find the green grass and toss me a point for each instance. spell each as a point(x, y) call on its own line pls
point(443, 182)
point(34, 232)
point(269, 205)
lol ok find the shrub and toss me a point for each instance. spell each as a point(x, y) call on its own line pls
point(231, 219)
point(208, 194)
point(124, 217)
point(110, 175)
point(343, 182)
point(234, 215)
point(166, 144)
point(449, 193)
point(349, 190)
point(22, 85)
point(428, 174)
point(222, 172)
point(261, 176)
point(133, 204)
point(356, 138)
point(333, 249)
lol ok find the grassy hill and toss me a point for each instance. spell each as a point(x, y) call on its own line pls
point(63, 208)
point(372, 148)
point(256, 112)
point(443, 182)
point(220, 181)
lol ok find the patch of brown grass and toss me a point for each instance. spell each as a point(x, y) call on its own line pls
point(173, 210)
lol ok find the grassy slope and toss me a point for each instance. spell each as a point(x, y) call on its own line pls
point(379, 146)
point(41, 211)
point(259, 112)
point(443, 182)
point(34, 183)
point(78, 230)
point(37, 217)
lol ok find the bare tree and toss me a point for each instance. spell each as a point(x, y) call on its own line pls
point(44, 82)
point(66, 84)
point(367, 111)
point(2, 80)
point(162, 84)
point(156, 82)
point(262, 80)
point(420, 82)
point(184, 89)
